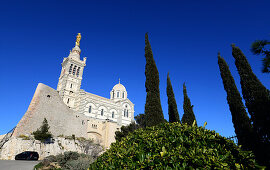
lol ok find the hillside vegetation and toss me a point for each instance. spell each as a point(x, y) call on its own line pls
point(175, 146)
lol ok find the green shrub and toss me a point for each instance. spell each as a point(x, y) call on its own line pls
point(125, 130)
point(24, 137)
point(60, 136)
point(175, 146)
point(43, 133)
point(72, 137)
point(82, 163)
point(68, 160)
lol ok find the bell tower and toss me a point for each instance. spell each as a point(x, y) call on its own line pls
point(70, 78)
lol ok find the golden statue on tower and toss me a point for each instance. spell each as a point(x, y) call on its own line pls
point(78, 39)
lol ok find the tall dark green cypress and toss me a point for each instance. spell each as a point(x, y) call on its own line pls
point(242, 124)
point(153, 111)
point(188, 116)
point(172, 106)
point(258, 103)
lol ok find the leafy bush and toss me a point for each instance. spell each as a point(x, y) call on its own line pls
point(43, 133)
point(125, 130)
point(72, 137)
point(24, 137)
point(68, 160)
point(175, 146)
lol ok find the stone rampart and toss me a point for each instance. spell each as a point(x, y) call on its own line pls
point(46, 103)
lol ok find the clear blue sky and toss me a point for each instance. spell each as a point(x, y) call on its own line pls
point(185, 37)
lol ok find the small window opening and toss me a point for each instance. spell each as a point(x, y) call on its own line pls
point(70, 69)
point(78, 72)
point(74, 70)
point(70, 85)
point(127, 113)
point(90, 109)
point(117, 94)
point(123, 95)
point(68, 101)
point(101, 112)
point(48, 96)
point(112, 114)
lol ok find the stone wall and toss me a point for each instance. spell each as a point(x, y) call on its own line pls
point(17, 145)
point(46, 103)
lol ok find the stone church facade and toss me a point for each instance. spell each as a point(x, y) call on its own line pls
point(71, 110)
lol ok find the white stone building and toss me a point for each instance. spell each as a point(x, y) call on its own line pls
point(70, 110)
point(116, 109)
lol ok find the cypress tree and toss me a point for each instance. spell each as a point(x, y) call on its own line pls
point(242, 124)
point(258, 103)
point(153, 111)
point(172, 106)
point(259, 47)
point(188, 116)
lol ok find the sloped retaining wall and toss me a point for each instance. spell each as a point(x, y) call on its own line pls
point(17, 145)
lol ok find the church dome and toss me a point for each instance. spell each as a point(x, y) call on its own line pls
point(118, 92)
point(119, 87)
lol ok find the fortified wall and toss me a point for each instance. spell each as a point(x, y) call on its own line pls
point(63, 121)
point(46, 103)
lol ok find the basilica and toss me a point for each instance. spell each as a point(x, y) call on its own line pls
point(70, 110)
point(117, 109)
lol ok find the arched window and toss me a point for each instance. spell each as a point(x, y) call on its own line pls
point(101, 112)
point(123, 95)
point(70, 85)
point(78, 72)
point(90, 109)
point(74, 70)
point(112, 114)
point(113, 94)
point(67, 100)
point(70, 69)
point(117, 94)
point(124, 112)
point(127, 113)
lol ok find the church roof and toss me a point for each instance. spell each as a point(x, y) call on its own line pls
point(119, 87)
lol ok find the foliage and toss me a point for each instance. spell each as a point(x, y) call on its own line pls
point(24, 137)
point(43, 133)
point(125, 130)
point(72, 137)
point(188, 116)
point(153, 111)
point(175, 146)
point(81, 139)
point(68, 160)
point(172, 106)
point(240, 119)
point(258, 104)
point(259, 47)
point(140, 120)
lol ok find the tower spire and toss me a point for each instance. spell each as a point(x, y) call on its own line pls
point(76, 51)
point(119, 80)
point(78, 39)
